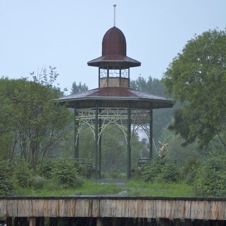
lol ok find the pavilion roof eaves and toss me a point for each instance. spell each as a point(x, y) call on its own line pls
point(129, 95)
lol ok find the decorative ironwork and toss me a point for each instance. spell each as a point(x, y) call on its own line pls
point(114, 73)
point(103, 73)
point(139, 119)
point(125, 73)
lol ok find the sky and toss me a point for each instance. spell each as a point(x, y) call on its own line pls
point(66, 34)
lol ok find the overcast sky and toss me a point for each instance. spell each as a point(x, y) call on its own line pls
point(67, 34)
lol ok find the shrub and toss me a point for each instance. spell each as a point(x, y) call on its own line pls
point(45, 168)
point(211, 176)
point(190, 168)
point(81, 169)
point(65, 173)
point(160, 170)
point(169, 172)
point(7, 185)
point(39, 182)
point(150, 171)
point(23, 173)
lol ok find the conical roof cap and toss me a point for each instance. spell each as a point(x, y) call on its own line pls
point(114, 42)
point(114, 52)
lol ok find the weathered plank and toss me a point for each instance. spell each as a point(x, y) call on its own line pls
point(115, 207)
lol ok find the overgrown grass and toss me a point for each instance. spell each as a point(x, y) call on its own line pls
point(141, 188)
point(131, 188)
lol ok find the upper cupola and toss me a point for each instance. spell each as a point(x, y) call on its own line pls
point(114, 52)
point(114, 43)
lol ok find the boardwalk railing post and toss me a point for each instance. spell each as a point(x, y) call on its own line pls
point(99, 222)
point(9, 221)
point(40, 221)
point(177, 222)
point(114, 221)
point(53, 221)
point(32, 221)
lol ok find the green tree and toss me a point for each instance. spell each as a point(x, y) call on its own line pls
point(197, 79)
point(153, 86)
point(31, 125)
point(7, 134)
point(78, 88)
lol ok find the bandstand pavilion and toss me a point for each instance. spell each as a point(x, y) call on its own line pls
point(113, 102)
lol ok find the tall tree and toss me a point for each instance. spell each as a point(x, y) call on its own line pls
point(31, 124)
point(153, 86)
point(78, 88)
point(197, 78)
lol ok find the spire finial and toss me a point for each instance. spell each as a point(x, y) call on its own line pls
point(114, 14)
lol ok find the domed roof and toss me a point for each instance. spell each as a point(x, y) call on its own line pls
point(114, 52)
point(114, 42)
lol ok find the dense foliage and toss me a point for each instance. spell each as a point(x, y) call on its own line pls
point(22, 173)
point(65, 172)
point(206, 175)
point(197, 79)
point(7, 185)
point(210, 178)
point(52, 174)
point(161, 170)
point(31, 124)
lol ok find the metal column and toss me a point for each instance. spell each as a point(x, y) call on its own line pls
point(76, 135)
point(151, 135)
point(96, 141)
point(100, 145)
point(129, 143)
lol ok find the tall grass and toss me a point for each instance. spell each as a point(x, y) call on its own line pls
point(131, 188)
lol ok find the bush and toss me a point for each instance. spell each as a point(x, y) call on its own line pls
point(65, 173)
point(39, 182)
point(160, 170)
point(23, 174)
point(7, 185)
point(169, 172)
point(150, 171)
point(81, 169)
point(211, 176)
point(45, 168)
point(190, 168)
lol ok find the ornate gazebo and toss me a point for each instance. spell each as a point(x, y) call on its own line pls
point(113, 102)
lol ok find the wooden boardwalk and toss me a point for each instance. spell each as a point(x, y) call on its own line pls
point(100, 207)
